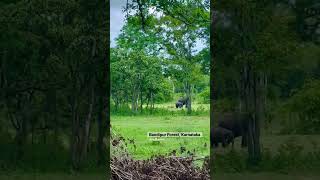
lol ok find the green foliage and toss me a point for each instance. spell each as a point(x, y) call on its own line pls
point(288, 157)
point(306, 103)
point(266, 44)
point(232, 161)
point(205, 95)
point(52, 69)
point(166, 92)
point(272, 40)
point(37, 155)
point(155, 54)
point(225, 105)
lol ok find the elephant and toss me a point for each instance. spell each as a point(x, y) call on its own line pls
point(237, 123)
point(221, 135)
point(179, 104)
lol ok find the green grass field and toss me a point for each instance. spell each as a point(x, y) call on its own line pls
point(137, 127)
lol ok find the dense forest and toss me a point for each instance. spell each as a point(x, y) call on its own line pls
point(53, 84)
point(277, 45)
point(266, 62)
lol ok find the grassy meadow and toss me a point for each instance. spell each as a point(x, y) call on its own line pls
point(137, 127)
point(171, 120)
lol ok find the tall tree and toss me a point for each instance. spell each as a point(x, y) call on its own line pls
point(182, 24)
point(255, 29)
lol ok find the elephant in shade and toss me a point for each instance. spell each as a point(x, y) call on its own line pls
point(237, 123)
point(221, 135)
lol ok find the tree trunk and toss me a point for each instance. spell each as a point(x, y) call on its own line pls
point(116, 102)
point(32, 133)
point(102, 127)
point(152, 103)
point(141, 100)
point(253, 98)
point(132, 101)
point(21, 138)
point(189, 94)
point(136, 101)
point(54, 114)
point(247, 80)
point(259, 82)
point(148, 100)
point(86, 128)
point(75, 136)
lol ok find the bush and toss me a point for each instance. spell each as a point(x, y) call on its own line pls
point(230, 162)
point(205, 96)
point(39, 157)
point(289, 157)
point(165, 93)
point(306, 103)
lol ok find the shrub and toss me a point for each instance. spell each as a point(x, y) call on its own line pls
point(205, 96)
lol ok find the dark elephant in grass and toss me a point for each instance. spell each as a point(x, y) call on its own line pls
point(237, 123)
point(181, 102)
point(221, 135)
